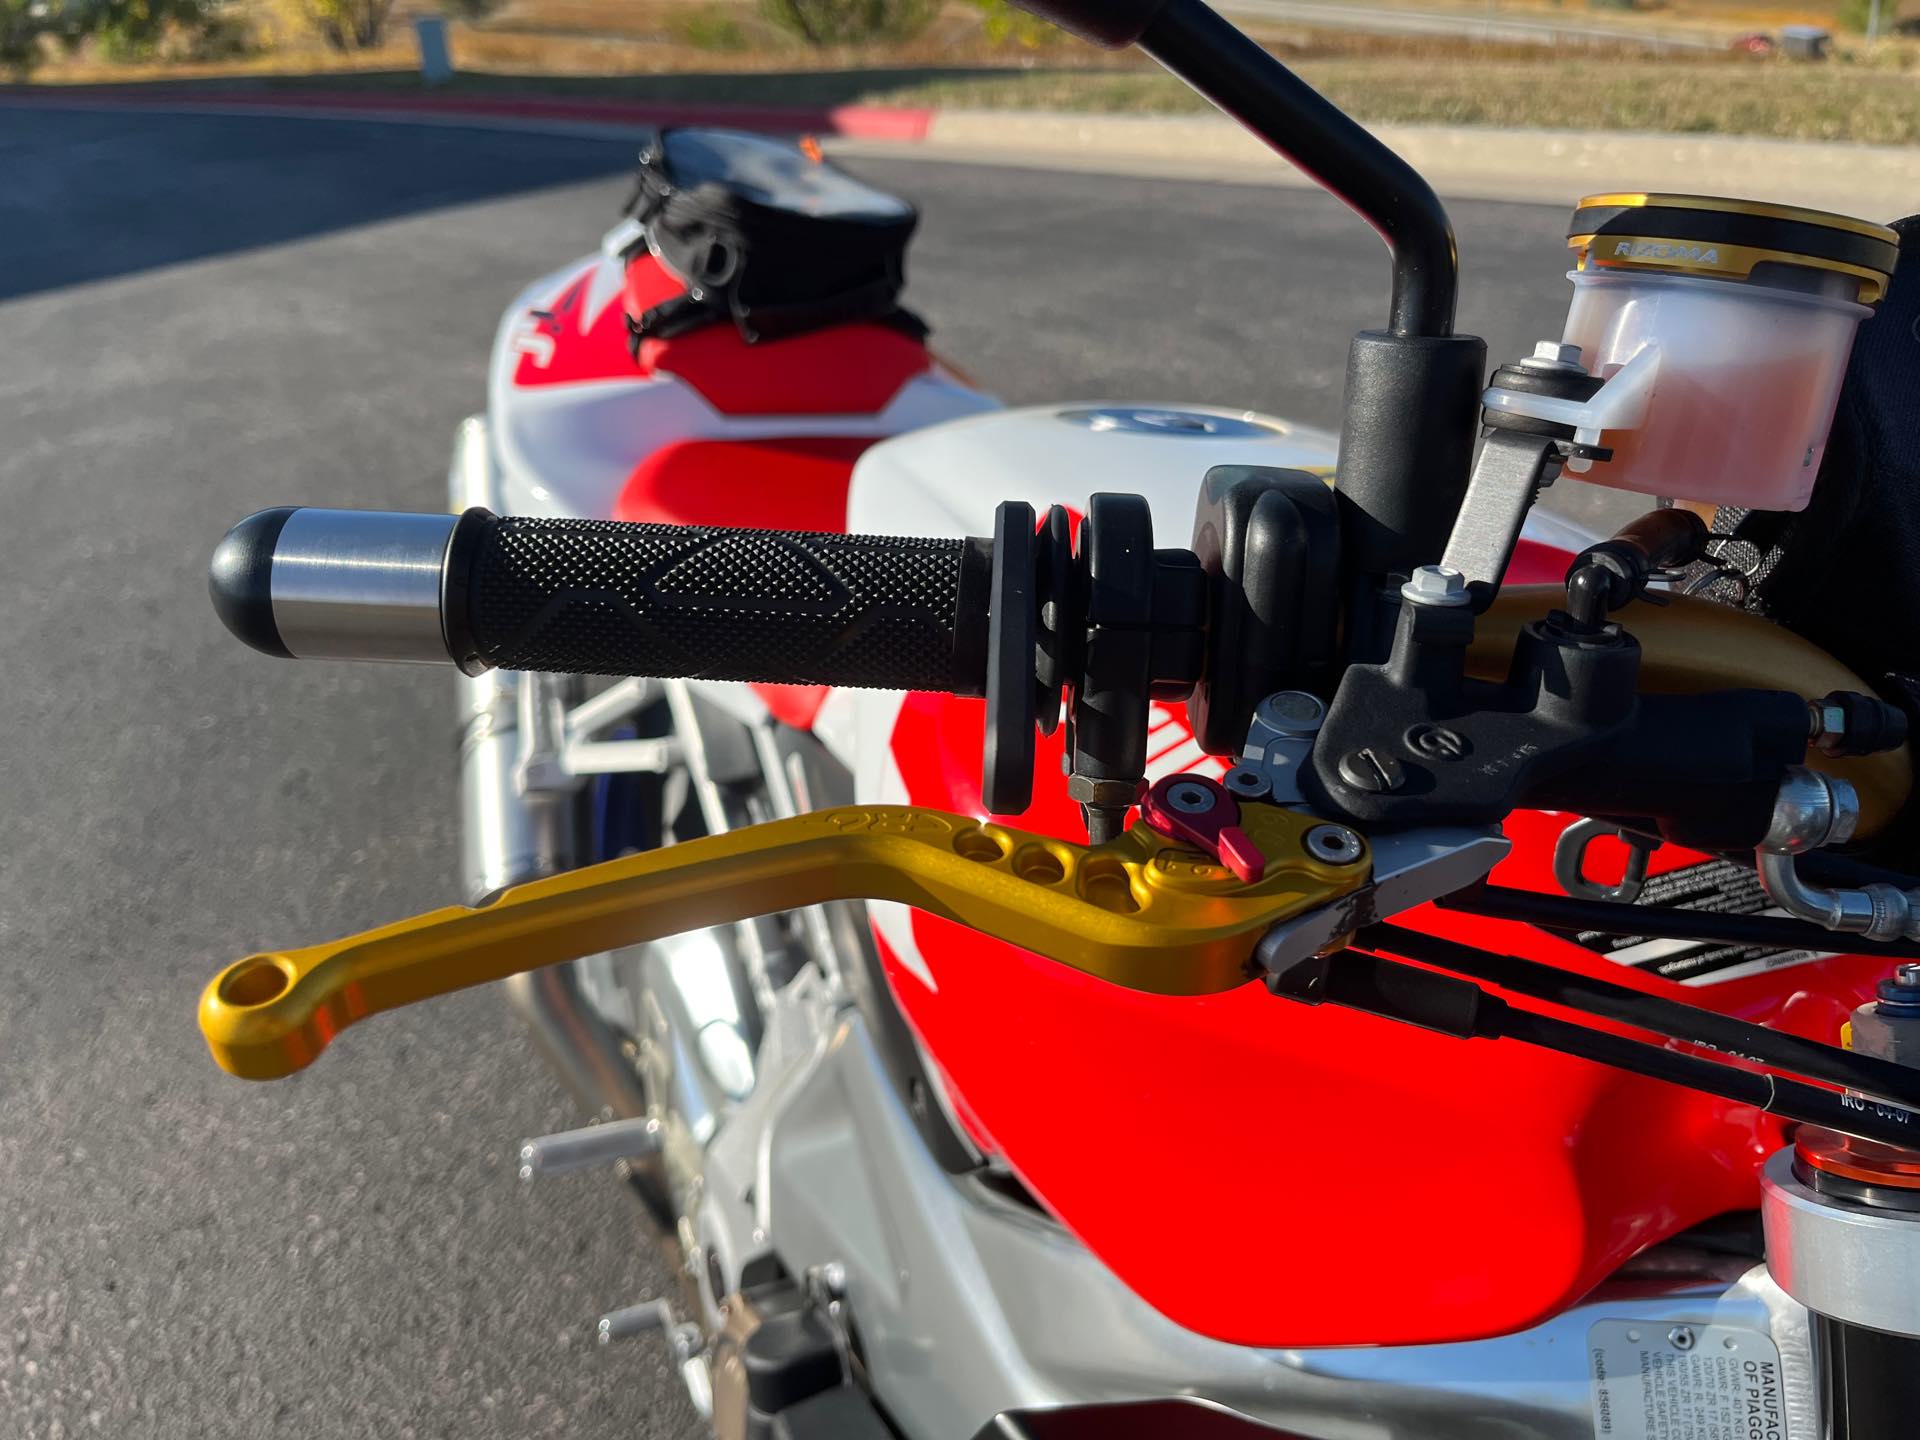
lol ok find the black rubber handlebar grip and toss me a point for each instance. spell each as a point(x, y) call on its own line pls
point(605, 597)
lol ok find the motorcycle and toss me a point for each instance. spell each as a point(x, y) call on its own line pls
point(1381, 970)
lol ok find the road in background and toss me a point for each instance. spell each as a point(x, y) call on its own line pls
point(204, 316)
point(1488, 25)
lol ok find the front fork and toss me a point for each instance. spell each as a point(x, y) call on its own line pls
point(1843, 1238)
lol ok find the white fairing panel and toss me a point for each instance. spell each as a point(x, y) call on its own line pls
point(948, 479)
point(567, 449)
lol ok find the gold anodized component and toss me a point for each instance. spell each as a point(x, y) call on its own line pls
point(1140, 911)
point(1727, 205)
point(1653, 252)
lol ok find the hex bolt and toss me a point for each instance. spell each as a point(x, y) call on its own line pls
point(1371, 770)
point(1554, 355)
point(1190, 799)
point(1437, 742)
point(1247, 783)
point(1436, 585)
point(1908, 975)
point(1333, 844)
point(1827, 727)
point(1681, 1337)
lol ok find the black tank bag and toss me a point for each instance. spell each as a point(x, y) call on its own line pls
point(768, 237)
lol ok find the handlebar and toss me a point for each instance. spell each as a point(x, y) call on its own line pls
point(1029, 618)
point(604, 597)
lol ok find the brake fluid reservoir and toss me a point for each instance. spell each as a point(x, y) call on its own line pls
point(1741, 316)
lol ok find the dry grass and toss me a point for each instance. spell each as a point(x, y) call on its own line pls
point(640, 49)
point(1777, 100)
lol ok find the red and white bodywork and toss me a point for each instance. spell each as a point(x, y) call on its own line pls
point(1238, 1173)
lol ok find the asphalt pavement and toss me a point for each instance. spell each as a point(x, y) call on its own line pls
point(201, 316)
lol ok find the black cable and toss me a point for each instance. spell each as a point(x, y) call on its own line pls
point(1561, 912)
point(1655, 1013)
point(1395, 990)
point(1775, 1094)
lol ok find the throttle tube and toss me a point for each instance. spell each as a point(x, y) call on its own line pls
point(605, 597)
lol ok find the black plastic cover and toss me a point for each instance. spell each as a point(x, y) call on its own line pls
point(841, 1413)
point(1269, 541)
point(240, 580)
point(789, 1358)
point(1406, 445)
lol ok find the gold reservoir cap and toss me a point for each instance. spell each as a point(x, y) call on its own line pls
point(1710, 235)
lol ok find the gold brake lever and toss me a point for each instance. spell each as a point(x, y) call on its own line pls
point(1140, 911)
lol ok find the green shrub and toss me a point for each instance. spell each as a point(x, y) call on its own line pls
point(710, 28)
point(20, 31)
point(851, 22)
point(1855, 15)
point(349, 24)
point(132, 29)
point(1005, 24)
point(123, 30)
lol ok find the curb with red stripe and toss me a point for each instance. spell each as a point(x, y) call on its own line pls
point(860, 122)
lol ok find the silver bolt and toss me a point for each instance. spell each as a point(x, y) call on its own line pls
point(1436, 585)
point(1334, 844)
point(1373, 771)
point(1554, 355)
point(1189, 798)
point(1908, 974)
point(1247, 783)
point(827, 1284)
point(1292, 712)
point(1681, 1337)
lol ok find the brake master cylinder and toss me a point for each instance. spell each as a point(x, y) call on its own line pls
point(1721, 331)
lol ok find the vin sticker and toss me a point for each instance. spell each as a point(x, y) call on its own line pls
point(1716, 887)
point(1657, 1381)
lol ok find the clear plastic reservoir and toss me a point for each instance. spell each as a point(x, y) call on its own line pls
point(1744, 391)
point(1720, 330)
